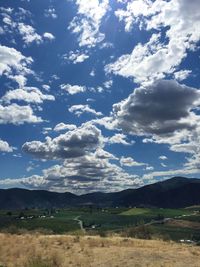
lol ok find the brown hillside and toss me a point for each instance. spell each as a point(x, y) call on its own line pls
point(72, 251)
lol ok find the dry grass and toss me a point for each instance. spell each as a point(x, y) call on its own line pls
point(184, 223)
point(74, 251)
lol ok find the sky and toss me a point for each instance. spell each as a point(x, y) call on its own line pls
point(99, 95)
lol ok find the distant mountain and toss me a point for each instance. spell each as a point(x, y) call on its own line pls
point(176, 192)
point(17, 198)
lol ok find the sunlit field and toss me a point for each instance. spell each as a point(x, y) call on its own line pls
point(85, 251)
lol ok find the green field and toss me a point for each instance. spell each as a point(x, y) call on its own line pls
point(95, 220)
point(153, 212)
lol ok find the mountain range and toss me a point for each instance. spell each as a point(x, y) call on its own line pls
point(177, 192)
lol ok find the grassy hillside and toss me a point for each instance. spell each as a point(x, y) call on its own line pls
point(87, 251)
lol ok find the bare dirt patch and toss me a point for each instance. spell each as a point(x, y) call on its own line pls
point(184, 224)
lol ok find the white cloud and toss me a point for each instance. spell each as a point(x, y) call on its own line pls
point(8, 10)
point(158, 57)
point(119, 138)
point(170, 173)
point(163, 157)
point(107, 122)
point(88, 21)
point(106, 45)
point(11, 183)
point(19, 79)
point(5, 147)
point(149, 168)
point(72, 144)
point(89, 173)
point(73, 89)
point(46, 130)
point(46, 87)
point(102, 154)
point(17, 115)
point(92, 73)
point(76, 57)
point(182, 74)
point(130, 162)
point(48, 36)
point(50, 13)
point(27, 94)
point(7, 20)
point(108, 84)
point(29, 34)
point(86, 166)
point(80, 109)
point(64, 127)
point(16, 23)
point(146, 63)
point(11, 59)
point(163, 165)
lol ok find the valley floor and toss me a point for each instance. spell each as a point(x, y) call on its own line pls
point(91, 251)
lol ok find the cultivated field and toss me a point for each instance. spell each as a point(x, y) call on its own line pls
point(145, 223)
point(86, 251)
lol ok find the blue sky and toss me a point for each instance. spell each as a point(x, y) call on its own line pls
point(98, 95)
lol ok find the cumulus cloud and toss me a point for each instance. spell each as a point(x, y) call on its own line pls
point(13, 60)
point(85, 174)
point(29, 34)
point(182, 74)
point(141, 64)
point(130, 162)
point(191, 146)
point(19, 79)
point(73, 89)
point(107, 122)
point(46, 130)
point(160, 109)
point(85, 166)
point(27, 94)
point(119, 138)
point(64, 127)
point(160, 56)
point(12, 183)
point(5, 147)
point(15, 114)
point(76, 57)
point(15, 23)
point(87, 22)
point(46, 87)
point(80, 109)
point(72, 144)
point(48, 36)
point(108, 84)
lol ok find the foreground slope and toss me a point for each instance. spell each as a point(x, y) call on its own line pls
point(74, 251)
point(177, 192)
